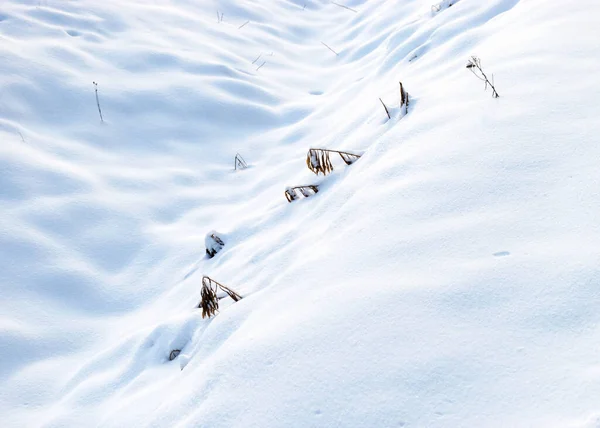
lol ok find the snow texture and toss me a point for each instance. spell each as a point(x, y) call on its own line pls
point(448, 278)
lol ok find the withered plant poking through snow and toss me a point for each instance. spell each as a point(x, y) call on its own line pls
point(318, 160)
point(474, 65)
point(291, 193)
point(98, 102)
point(210, 302)
point(386, 109)
point(213, 244)
point(239, 162)
point(403, 100)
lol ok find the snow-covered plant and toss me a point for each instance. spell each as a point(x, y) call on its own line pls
point(213, 243)
point(239, 162)
point(291, 193)
point(210, 302)
point(474, 65)
point(318, 160)
point(403, 100)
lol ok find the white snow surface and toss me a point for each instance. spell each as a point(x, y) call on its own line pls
point(448, 278)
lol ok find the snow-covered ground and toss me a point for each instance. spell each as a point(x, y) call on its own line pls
point(449, 278)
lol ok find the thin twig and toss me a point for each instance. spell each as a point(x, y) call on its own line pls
point(338, 151)
point(98, 102)
point(257, 58)
point(21, 136)
point(260, 66)
point(243, 25)
point(475, 62)
point(345, 7)
point(386, 109)
point(331, 49)
point(239, 162)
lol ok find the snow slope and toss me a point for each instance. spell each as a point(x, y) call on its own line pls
point(449, 278)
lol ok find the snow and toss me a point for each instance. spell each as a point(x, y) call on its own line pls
point(448, 278)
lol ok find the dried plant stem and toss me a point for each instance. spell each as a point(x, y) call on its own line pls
point(475, 63)
point(403, 99)
point(239, 162)
point(318, 160)
point(330, 49)
point(386, 109)
point(210, 302)
point(243, 25)
point(345, 7)
point(236, 297)
point(98, 102)
point(306, 191)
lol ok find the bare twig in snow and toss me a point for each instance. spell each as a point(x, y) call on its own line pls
point(239, 162)
point(98, 102)
point(386, 109)
point(345, 7)
point(330, 49)
point(474, 65)
point(243, 25)
point(257, 58)
point(260, 66)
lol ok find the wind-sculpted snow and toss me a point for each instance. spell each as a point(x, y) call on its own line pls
point(447, 278)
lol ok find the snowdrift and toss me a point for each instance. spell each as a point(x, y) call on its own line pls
point(447, 278)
